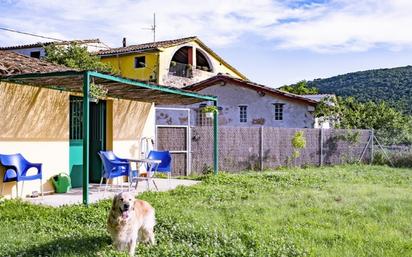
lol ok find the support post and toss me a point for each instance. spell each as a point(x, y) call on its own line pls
point(215, 140)
point(373, 138)
point(366, 147)
point(189, 144)
point(321, 146)
point(383, 150)
point(86, 115)
point(261, 148)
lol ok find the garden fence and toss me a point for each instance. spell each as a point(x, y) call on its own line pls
point(259, 148)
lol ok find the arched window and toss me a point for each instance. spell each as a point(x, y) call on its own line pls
point(181, 62)
point(202, 62)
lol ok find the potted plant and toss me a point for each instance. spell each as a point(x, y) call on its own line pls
point(209, 110)
point(97, 92)
point(189, 70)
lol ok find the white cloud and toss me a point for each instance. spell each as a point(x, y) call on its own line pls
point(350, 26)
point(322, 26)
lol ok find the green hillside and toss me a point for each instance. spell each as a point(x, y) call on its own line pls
point(392, 85)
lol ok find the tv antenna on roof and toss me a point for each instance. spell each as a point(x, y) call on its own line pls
point(153, 27)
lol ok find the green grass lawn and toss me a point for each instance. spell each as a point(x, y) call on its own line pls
point(331, 211)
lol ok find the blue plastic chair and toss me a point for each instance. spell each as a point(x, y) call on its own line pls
point(16, 170)
point(166, 161)
point(165, 166)
point(113, 166)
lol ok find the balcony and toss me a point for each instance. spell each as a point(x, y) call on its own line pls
point(182, 74)
point(181, 70)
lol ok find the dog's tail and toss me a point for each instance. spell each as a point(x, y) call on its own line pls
point(148, 227)
point(150, 219)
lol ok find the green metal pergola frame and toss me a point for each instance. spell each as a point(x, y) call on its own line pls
point(86, 118)
point(87, 77)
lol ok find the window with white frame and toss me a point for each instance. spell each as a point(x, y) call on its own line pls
point(278, 111)
point(242, 113)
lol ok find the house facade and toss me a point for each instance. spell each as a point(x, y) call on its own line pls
point(247, 104)
point(44, 125)
point(176, 63)
point(37, 50)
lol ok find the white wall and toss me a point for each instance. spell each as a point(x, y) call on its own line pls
point(91, 47)
point(27, 51)
point(260, 110)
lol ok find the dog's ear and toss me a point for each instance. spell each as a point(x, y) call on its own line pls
point(133, 195)
point(114, 202)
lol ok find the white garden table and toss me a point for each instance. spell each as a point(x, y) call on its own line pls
point(152, 164)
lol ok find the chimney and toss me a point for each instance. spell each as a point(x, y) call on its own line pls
point(124, 42)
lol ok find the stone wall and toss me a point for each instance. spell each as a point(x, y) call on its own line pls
point(260, 109)
point(179, 82)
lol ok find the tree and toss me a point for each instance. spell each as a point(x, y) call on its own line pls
point(390, 85)
point(390, 125)
point(300, 88)
point(75, 56)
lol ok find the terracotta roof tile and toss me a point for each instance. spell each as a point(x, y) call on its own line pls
point(13, 63)
point(319, 97)
point(255, 86)
point(146, 46)
point(163, 44)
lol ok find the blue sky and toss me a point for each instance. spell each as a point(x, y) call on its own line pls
point(272, 42)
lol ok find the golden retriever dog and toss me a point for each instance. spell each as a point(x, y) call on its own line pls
point(130, 221)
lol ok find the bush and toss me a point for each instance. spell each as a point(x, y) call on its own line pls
point(399, 159)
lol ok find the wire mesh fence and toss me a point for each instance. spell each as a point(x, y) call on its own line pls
point(259, 148)
point(396, 156)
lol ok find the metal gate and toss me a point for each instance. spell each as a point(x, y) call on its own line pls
point(173, 134)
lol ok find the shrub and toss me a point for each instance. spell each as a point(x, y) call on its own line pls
point(399, 159)
point(298, 142)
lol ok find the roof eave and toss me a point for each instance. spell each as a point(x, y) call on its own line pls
point(211, 82)
point(42, 44)
point(156, 49)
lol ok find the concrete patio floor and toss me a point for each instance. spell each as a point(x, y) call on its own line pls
point(74, 196)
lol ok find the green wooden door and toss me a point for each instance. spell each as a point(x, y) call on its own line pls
point(97, 139)
point(76, 141)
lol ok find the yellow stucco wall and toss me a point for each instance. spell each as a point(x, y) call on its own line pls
point(35, 123)
point(124, 65)
point(157, 64)
point(131, 121)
